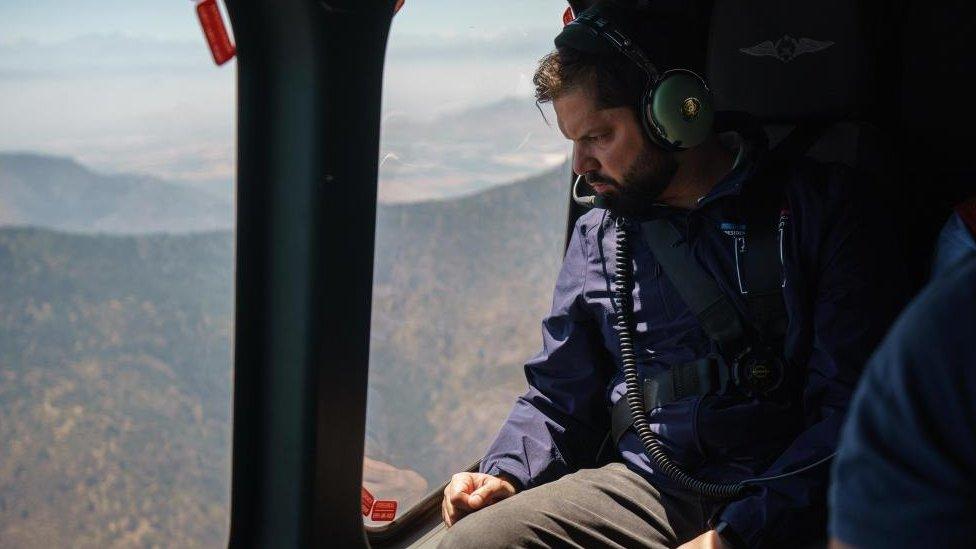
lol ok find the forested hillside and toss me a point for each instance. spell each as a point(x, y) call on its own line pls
point(115, 387)
point(115, 362)
point(460, 288)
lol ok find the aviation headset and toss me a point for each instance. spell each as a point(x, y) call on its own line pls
point(675, 106)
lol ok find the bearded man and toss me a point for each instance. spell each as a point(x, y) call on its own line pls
point(570, 466)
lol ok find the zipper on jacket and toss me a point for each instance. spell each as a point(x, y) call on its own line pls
point(739, 247)
point(784, 216)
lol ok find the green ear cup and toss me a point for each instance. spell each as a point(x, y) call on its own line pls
point(679, 110)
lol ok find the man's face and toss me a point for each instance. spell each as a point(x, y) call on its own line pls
point(610, 149)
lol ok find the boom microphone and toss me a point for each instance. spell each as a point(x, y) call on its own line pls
point(592, 201)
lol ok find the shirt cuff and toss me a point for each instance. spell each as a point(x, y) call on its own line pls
point(746, 519)
point(512, 469)
point(729, 536)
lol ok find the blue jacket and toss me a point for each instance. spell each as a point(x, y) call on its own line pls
point(838, 296)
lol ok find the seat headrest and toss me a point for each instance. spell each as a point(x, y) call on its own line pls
point(937, 106)
point(788, 61)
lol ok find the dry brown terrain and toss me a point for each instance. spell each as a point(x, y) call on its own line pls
point(115, 364)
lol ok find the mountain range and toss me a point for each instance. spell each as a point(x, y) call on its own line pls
point(455, 154)
point(116, 349)
point(59, 193)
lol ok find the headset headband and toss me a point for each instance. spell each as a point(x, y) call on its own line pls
point(675, 107)
point(603, 28)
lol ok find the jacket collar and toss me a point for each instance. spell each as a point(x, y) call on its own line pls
point(743, 168)
point(749, 152)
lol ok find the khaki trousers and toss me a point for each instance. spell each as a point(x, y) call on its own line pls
point(607, 507)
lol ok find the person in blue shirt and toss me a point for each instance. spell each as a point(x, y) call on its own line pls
point(544, 480)
point(906, 470)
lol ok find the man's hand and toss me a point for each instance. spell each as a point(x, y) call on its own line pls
point(468, 492)
point(708, 540)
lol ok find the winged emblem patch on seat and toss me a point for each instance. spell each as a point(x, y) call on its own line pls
point(786, 48)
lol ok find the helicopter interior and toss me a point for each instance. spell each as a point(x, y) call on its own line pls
point(876, 85)
point(880, 86)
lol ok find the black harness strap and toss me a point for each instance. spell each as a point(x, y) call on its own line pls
point(762, 263)
point(712, 308)
point(762, 280)
point(715, 313)
point(698, 289)
point(702, 376)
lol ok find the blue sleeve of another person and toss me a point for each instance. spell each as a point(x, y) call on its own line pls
point(906, 469)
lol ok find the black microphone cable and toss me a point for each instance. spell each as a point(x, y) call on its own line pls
point(623, 282)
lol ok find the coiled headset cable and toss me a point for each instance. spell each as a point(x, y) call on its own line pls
point(623, 281)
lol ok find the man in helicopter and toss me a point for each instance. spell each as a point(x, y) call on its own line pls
point(708, 327)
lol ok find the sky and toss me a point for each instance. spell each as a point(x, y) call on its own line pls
point(130, 86)
point(57, 20)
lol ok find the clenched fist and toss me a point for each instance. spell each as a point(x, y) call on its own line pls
point(468, 492)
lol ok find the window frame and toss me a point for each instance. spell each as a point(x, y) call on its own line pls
point(308, 148)
point(301, 347)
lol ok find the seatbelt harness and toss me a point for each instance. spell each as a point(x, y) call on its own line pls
point(697, 288)
point(751, 360)
point(754, 368)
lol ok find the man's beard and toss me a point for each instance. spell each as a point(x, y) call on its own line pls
point(642, 184)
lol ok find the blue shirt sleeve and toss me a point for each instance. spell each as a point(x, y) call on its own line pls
point(906, 469)
point(557, 426)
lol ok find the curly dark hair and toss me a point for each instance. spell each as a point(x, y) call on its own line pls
point(616, 80)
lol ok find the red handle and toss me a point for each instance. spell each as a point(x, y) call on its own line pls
point(215, 31)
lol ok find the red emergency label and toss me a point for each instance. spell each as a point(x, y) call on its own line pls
point(384, 510)
point(215, 31)
point(367, 502)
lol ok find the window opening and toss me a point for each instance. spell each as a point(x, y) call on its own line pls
point(470, 228)
point(117, 265)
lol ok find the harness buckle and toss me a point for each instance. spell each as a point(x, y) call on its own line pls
point(758, 371)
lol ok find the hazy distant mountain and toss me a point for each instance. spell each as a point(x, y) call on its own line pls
point(59, 193)
point(453, 155)
point(466, 151)
point(115, 356)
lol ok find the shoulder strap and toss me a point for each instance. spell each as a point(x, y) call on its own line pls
point(697, 288)
point(762, 268)
point(762, 274)
point(762, 264)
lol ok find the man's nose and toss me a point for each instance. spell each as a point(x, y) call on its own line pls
point(583, 162)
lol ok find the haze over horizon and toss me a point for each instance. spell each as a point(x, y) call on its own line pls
point(129, 87)
point(452, 155)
